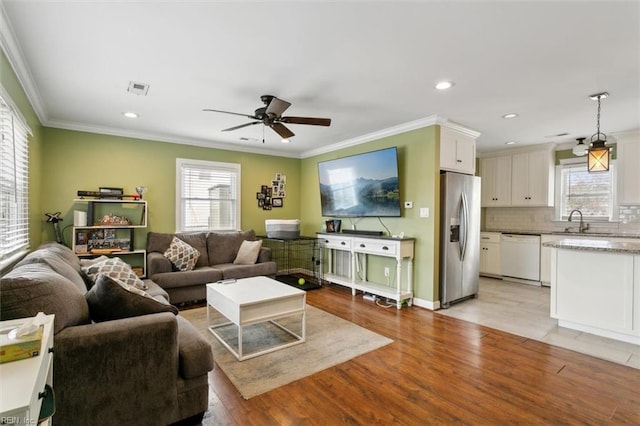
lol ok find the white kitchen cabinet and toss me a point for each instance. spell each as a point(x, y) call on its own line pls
point(496, 181)
point(490, 254)
point(628, 158)
point(532, 179)
point(457, 150)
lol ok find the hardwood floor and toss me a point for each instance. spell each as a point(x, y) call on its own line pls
point(438, 370)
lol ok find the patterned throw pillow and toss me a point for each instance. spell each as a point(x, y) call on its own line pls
point(117, 269)
point(182, 255)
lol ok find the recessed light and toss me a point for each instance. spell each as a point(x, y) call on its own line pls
point(444, 85)
point(285, 141)
point(510, 115)
point(511, 143)
point(130, 114)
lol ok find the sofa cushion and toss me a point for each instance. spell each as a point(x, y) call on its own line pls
point(194, 351)
point(32, 288)
point(182, 255)
point(117, 269)
point(248, 253)
point(199, 276)
point(109, 300)
point(63, 251)
point(58, 264)
point(229, 270)
point(159, 242)
point(223, 246)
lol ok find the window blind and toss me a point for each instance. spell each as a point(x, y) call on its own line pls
point(591, 193)
point(208, 196)
point(14, 182)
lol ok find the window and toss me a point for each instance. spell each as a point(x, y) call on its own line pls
point(591, 193)
point(14, 182)
point(208, 196)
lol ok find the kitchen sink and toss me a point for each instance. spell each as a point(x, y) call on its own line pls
point(584, 234)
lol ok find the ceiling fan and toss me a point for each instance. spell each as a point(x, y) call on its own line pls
point(271, 115)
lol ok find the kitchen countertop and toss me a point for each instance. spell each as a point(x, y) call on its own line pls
point(595, 245)
point(568, 234)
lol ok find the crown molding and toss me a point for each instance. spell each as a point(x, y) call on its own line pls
point(152, 137)
point(390, 131)
point(13, 52)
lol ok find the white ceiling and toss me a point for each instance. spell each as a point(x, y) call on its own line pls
point(369, 66)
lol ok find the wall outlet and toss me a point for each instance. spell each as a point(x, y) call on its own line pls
point(386, 271)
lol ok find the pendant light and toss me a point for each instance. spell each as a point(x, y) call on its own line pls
point(598, 160)
point(580, 149)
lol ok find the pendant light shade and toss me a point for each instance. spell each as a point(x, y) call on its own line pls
point(598, 159)
point(580, 149)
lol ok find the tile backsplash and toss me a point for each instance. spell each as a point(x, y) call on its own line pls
point(542, 219)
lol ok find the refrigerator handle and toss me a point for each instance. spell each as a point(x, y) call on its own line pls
point(464, 226)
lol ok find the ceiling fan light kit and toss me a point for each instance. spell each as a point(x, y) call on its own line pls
point(270, 115)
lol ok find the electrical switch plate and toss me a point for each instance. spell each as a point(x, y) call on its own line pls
point(424, 211)
point(408, 204)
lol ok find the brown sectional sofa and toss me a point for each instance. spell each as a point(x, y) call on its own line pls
point(148, 369)
point(217, 253)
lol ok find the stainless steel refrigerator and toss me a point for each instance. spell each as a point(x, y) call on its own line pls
point(459, 237)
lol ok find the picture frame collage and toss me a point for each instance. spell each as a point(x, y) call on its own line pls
point(272, 195)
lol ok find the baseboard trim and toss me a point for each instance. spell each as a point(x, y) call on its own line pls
point(427, 304)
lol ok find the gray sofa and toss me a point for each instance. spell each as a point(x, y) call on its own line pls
point(217, 250)
point(141, 364)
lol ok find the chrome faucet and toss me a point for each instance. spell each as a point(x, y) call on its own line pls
point(583, 226)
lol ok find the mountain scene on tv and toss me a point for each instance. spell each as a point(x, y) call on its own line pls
point(361, 197)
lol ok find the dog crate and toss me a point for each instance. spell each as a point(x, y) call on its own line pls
point(296, 258)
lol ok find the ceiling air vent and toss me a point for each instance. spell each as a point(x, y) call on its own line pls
point(138, 88)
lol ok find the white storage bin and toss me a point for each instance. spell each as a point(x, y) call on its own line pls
point(281, 228)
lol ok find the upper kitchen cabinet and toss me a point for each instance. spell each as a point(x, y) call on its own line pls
point(496, 181)
point(532, 179)
point(457, 148)
point(628, 147)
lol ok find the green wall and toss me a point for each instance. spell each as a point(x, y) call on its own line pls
point(12, 86)
point(86, 161)
point(418, 164)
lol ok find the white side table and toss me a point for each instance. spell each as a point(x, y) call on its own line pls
point(22, 383)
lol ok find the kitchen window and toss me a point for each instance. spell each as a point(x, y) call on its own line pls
point(208, 196)
point(592, 193)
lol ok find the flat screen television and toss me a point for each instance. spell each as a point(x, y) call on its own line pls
point(362, 185)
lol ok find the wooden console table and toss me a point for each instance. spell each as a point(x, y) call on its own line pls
point(401, 249)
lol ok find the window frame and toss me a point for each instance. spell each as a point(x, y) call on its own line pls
point(614, 210)
point(18, 132)
point(181, 164)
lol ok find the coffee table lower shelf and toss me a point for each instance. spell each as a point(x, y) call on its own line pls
point(239, 354)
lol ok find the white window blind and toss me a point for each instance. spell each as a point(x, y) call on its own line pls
point(591, 193)
point(14, 182)
point(208, 196)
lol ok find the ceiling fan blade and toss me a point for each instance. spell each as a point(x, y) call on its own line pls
point(241, 126)
point(307, 120)
point(277, 107)
point(234, 113)
point(282, 130)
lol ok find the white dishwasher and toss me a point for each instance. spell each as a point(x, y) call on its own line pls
point(521, 257)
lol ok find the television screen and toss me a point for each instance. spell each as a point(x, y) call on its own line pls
point(361, 185)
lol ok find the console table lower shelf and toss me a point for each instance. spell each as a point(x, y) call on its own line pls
point(373, 288)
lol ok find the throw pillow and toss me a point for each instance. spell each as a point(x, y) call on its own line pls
point(182, 255)
point(248, 253)
point(109, 300)
point(117, 269)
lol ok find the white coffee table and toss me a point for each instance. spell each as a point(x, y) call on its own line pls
point(255, 300)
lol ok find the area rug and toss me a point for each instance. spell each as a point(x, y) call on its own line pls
point(330, 340)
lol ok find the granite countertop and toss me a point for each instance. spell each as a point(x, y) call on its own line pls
point(591, 234)
point(595, 245)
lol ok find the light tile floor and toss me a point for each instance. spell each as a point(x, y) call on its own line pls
point(523, 309)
